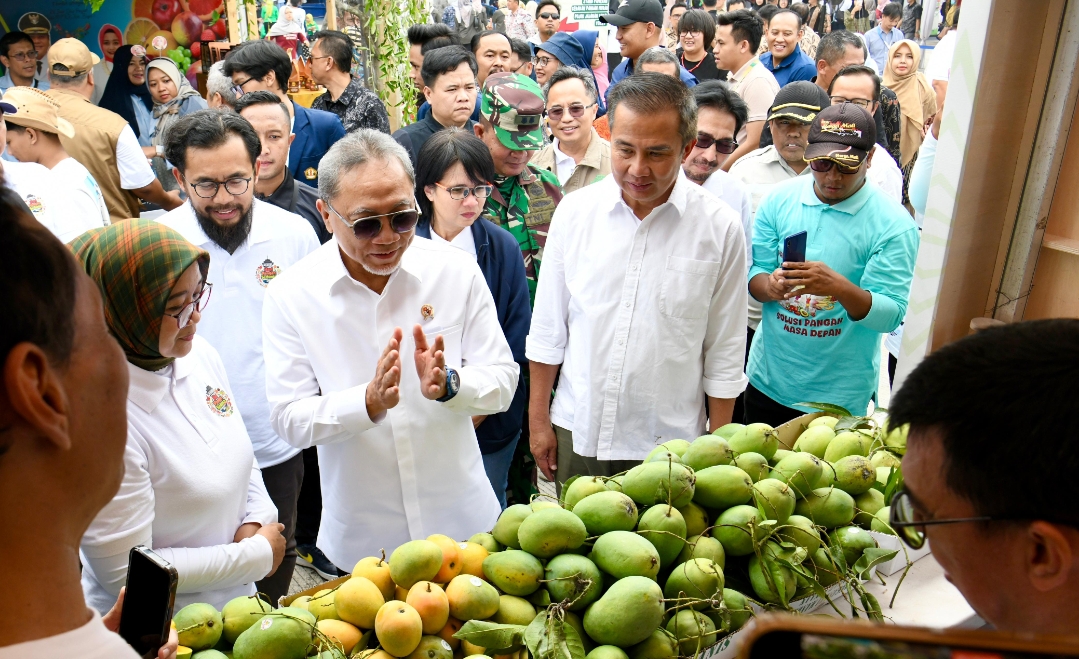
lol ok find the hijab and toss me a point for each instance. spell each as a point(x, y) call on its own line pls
point(571, 51)
point(464, 11)
point(105, 29)
point(119, 89)
point(136, 263)
point(167, 113)
point(917, 100)
point(588, 40)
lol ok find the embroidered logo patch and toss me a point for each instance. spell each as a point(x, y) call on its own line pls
point(266, 271)
point(218, 401)
point(34, 204)
point(310, 173)
point(844, 128)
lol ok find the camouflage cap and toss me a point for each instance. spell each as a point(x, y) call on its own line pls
point(513, 103)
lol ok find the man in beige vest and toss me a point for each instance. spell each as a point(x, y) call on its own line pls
point(104, 143)
point(577, 155)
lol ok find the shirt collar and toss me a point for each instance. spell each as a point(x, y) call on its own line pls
point(789, 60)
point(852, 205)
point(337, 272)
point(352, 91)
point(772, 155)
point(740, 74)
point(259, 231)
point(678, 198)
point(148, 389)
point(594, 154)
point(559, 157)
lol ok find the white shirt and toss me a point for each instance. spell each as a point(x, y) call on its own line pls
point(86, 198)
point(233, 321)
point(417, 469)
point(940, 62)
point(190, 481)
point(563, 164)
point(43, 195)
point(736, 194)
point(91, 641)
point(885, 173)
point(645, 317)
point(463, 241)
point(135, 170)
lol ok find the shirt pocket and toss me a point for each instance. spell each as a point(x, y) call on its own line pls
point(451, 336)
point(687, 287)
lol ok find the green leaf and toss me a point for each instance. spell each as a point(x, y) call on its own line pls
point(871, 558)
point(827, 407)
point(871, 606)
point(894, 484)
point(491, 635)
point(574, 645)
point(535, 632)
point(852, 423)
point(565, 487)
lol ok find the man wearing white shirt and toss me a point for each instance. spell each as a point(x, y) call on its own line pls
point(250, 242)
point(391, 415)
point(641, 301)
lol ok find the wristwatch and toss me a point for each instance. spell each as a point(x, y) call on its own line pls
point(453, 385)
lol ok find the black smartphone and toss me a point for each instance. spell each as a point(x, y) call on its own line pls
point(151, 593)
point(794, 248)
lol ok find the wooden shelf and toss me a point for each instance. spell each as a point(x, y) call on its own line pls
point(1061, 244)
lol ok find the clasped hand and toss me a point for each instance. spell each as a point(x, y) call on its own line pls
point(384, 390)
point(808, 278)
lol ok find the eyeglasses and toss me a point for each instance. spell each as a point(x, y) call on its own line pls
point(197, 303)
point(575, 111)
point(522, 65)
point(461, 192)
point(238, 88)
point(22, 57)
point(549, 16)
point(369, 227)
point(725, 146)
point(824, 165)
point(860, 102)
point(208, 189)
point(542, 60)
point(902, 519)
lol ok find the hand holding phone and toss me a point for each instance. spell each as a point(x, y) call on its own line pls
point(146, 614)
point(794, 248)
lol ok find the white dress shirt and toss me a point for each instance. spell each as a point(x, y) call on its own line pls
point(90, 641)
point(645, 317)
point(233, 321)
point(415, 470)
point(563, 164)
point(190, 481)
point(462, 241)
point(736, 193)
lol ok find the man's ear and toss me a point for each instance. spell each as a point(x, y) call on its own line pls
point(427, 91)
point(1050, 555)
point(36, 394)
point(324, 210)
point(291, 137)
point(869, 158)
point(688, 149)
point(178, 176)
point(821, 67)
point(477, 128)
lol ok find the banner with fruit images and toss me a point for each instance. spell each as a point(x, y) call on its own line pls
point(166, 28)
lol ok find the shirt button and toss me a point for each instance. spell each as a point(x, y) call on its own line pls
point(626, 305)
point(619, 341)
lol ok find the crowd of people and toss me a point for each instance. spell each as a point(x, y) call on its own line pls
point(569, 253)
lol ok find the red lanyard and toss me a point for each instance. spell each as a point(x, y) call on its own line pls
point(698, 63)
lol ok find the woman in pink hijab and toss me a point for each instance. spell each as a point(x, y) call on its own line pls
point(109, 40)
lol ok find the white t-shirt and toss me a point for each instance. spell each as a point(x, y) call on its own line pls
point(135, 170)
point(86, 198)
point(91, 641)
point(940, 62)
point(462, 241)
point(563, 164)
point(38, 189)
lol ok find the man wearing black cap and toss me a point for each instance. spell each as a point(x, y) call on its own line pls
point(639, 25)
point(824, 310)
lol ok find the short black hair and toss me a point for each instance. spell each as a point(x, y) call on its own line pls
point(893, 10)
point(442, 151)
point(544, 3)
point(421, 33)
point(679, 3)
point(647, 93)
point(261, 97)
point(788, 11)
point(444, 60)
point(436, 43)
point(834, 45)
point(698, 20)
point(337, 46)
point(207, 129)
point(719, 95)
point(475, 45)
point(767, 12)
point(12, 38)
point(14, 128)
point(38, 285)
point(802, 9)
point(257, 59)
point(855, 70)
point(522, 50)
point(1002, 402)
point(737, 2)
point(745, 25)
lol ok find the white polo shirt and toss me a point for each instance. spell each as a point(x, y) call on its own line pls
point(43, 194)
point(233, 320)
point(85, 194)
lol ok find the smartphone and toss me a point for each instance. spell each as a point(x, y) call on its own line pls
point(151, 593)
point(794, 248)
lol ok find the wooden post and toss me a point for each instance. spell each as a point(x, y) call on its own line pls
point(234, 17)
point(331, 15)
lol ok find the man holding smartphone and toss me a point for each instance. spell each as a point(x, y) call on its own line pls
point(819, 337)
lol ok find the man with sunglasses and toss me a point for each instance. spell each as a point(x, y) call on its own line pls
point(215, 157)
point(379, 348)
point(989, 467)
point(824, 313)
point(548, 15)
point(577, 154)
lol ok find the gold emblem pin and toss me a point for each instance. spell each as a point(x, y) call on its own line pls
point(427, 311)
point(310, 173)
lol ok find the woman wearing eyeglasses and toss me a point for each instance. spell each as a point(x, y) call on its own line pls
point(453, 180)
point(577, 155)
point(191, 490)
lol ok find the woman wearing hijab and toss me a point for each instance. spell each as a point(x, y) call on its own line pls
point(565, 49)
point(173, 97)
point(191, 490)
point(126, 93)
point(917, 101)
point(590, 42)
point(109, 40)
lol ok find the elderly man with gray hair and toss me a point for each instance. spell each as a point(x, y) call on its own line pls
point(577, 155)
point(659, 60)
point(220, 90)
point(380, 346)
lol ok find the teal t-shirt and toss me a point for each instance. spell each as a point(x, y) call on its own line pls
point(806, 348)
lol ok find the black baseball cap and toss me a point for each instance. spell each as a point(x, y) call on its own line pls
point(844, 133)
point(635, 11)
point(800, 101)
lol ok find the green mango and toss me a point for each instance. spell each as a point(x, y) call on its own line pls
point(866, 505)
point(799, 470)
point(698, 578)
point(775, 498)
point(693, 631)
point(575, 579)
point(550, 532)
point(199, 626)
point(722, 486)
point(505, 531)
point(697, 519)
point(415, 561)
point(754, 464)
point(487, 541)
point(659, 645)
point(660, 482)
point(275, 636)
point(514, 611)
point(802, 532)
point(881, 522)
point(580, 488)
point(815, 439)
point(514, 572)
point(781, 577)
point(624, 554)
point(607, 511)
point(827, 506)
point(853, 540)
point(665, 528)
point(626, 614)
point(607, 652)
point(755, 438)
point(700, 546)
point(240, 613)
point(707, 451)
point(732, 529)
point(854, 474)
point(727, 431)
point(849, 442)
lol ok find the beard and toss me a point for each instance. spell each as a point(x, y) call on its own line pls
point(693, 174)
point(227, 237)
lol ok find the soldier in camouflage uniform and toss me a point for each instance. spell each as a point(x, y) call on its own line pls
point(524, 198)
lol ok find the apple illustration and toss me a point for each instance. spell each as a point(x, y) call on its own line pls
point(192, 71)
point(164, 11)
point(186, 27)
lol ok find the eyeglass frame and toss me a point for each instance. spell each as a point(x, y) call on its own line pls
point(570, 109)
point(855, 101)
point(218, 185)
point(715, 143)
point(22, 57)
point(536, 60)
point(468, 191)
point(415, 209)
point(206, 290)
point(896, 523)
point(238, 88)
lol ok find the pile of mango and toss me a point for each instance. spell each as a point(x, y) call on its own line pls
point(656, 563)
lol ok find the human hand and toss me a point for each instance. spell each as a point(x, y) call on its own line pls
point(384, 390)
point(111, 620)
point(246, 531)
point(430, 364)
point(272, 532)
point(774, 286)
point(812, 278)
point(150, 152)
point(936, 121)
point(477, 420)
point(544, 446)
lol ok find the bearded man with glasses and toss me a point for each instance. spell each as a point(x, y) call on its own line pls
point(216, 159)
point(380, 348)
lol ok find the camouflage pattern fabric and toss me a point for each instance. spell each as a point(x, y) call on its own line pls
point(514, 105)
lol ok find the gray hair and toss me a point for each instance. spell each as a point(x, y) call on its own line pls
point(219, 83)
point(656, 55)
point(68, 81)
point(648, 93)
point(572, 73)
point(355, 149)
point(834, 45)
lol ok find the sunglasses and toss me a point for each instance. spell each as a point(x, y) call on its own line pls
point(725, 146)
point(824, 165)
point(369, 227)
point(549, 16)
point(575, 111)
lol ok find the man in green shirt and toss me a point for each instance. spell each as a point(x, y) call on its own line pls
point(524, 198)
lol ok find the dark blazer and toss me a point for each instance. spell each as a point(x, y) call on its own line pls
point(316, 131)
point(499, 258)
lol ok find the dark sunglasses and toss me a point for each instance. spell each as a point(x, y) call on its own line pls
point(825, 165)
point(549, 16)
point(575, 111)
point(725, 146)
point(369, 227)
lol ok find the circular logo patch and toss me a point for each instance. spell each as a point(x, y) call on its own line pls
point(218, 401)
point(266, 271)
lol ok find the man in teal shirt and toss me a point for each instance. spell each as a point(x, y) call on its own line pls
point(823, 319)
